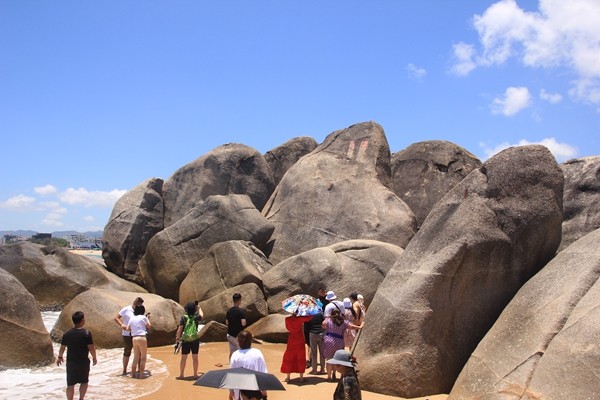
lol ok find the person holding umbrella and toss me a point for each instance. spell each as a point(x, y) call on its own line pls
point(302, 307)
point(294, 357)
point(246, 357)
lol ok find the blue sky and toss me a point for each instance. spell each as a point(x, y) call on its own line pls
point(96, 97)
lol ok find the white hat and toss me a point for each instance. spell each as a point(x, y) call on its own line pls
point(330, 295)
point(347, 303)
point(342, 357)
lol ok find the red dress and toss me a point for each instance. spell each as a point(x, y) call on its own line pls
point(294, 357)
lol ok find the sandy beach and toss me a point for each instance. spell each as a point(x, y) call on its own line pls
point(213, 354)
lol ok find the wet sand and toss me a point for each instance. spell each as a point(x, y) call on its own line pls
point(213, 354)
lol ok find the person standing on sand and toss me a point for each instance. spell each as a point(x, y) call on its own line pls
point(294, 357)
point(246, 357)
point(79, 343)
point(348, 387)
point(355, 315)
point(335, 325)
point(236, 321)
point(122, 319)
point(138, 326)
point(193, 311)
point(332, 304)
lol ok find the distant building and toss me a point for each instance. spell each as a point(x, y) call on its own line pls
point(7, 239)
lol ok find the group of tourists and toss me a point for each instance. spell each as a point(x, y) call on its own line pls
point(326, 334)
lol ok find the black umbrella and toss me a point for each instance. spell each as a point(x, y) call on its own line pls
point(239, 378)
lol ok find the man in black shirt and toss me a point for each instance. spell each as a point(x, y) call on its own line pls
point(236, 321)
point(79, 343)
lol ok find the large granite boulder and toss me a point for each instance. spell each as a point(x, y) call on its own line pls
point(581, 198)
point(423, 173)
point(545, 344)
point(253, 301)
point(339, 192)
point(281, 158)
point(213, 331)
point(345, 267)
point(25, 340)
point(101, 306)
point(481, 242)
point(228, 169)
point(271, 329)
point(135, 218)
point(226, 265)
point(55, 275)
point(171, 252)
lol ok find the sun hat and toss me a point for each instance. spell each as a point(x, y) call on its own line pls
point(342, 357)
point(330, 295)
point(347, 303)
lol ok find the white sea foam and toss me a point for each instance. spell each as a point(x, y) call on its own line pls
point(106, 381)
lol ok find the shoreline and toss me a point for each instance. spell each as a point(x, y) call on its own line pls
point(213, 354)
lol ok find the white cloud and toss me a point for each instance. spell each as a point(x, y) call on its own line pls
point(20, 202)
point(552, 98)
point(515, 99)
point(89, 218)
point(561, 151)
point(560, 34)
point(53, 220)
point(463, 54)
point(416, 72)
point(45, 190)
point(88, 198)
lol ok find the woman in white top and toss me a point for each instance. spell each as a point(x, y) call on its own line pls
point(138, 326)
point(246, 357)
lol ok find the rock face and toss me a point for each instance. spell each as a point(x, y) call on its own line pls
point(253, 301)
point(281, 158)
point(102, 306)
point(228, 169)
point(479, 245)
point(346, 267)
point(544, 345)
point(227, 264)
point(213, 332)
point(339, 192)
point(171, 253)
point(135, 219)
point(271, 329)
point(54, 275)
point(581, 198)
point(425, 171)
point(25, 340)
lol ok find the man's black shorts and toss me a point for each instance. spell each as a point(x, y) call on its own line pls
point(78, 372)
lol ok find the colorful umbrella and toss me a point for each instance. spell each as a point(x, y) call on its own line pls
point(302, 304)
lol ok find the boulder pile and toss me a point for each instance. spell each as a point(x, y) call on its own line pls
point(479, 278)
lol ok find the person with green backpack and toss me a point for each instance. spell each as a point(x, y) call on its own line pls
point(187, 334)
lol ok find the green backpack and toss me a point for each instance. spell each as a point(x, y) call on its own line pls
point(190, 330)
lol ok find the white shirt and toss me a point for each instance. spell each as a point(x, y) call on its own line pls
point(248, 358)
point(126, 313)
point(137, 324)
point(331, 306)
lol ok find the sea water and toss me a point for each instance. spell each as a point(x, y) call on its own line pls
point(105, 382)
